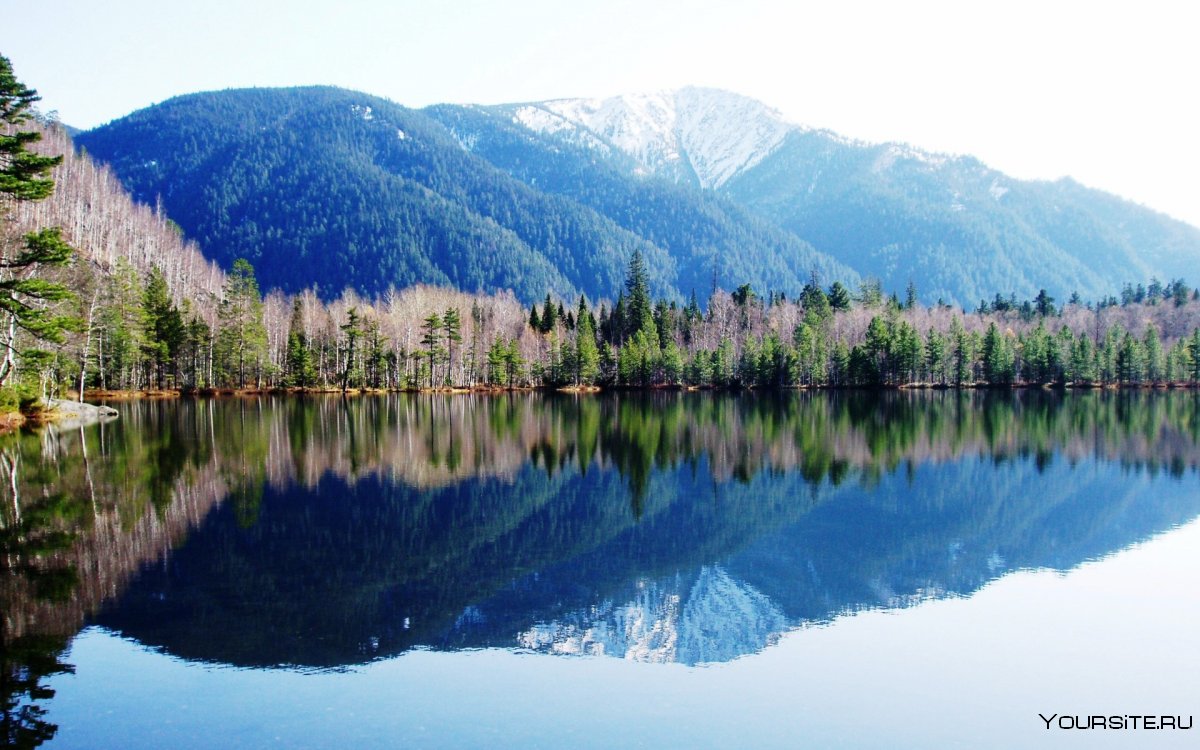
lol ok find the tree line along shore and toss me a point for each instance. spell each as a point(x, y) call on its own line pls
point(102, 295)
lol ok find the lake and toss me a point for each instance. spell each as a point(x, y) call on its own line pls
point(847, 569)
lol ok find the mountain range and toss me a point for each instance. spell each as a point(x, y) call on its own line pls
point(332, 188)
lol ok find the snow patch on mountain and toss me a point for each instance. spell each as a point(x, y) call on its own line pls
point(711, 618)
point(542, 120)
point(468, 141)
point(692, 134)
point(897, 152)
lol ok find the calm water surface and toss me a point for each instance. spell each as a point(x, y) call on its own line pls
point(668, 570)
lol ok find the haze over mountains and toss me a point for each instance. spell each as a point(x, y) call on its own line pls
point(334, 188)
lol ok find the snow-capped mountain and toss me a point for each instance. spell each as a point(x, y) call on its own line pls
point(697, 135)
point(550, 197)
point(709, 618)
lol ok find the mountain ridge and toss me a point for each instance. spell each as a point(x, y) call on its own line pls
point(710, 186)
point(293, 179)
point(960, 229)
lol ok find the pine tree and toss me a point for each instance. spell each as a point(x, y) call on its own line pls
point(376, 356)
point(1194, 355)
point(878, 347)
point(909, 350)
point(299, 365)
point(962, 353)
point(936, 358)
point(495, 361)
point(1152, 346)
point(817, 307)
point(164, 327)
point(639, 311)
point(24, 176)
point(839, 297)
point(432, 341)
point(353, 330)
point(197, 364)
point(1081, 363)
point(452, 326)
point(124, 328)
point(1130, 360)
point(1044, 304)
point(242, 340)
point(549, 316)
point(997, 357)
point(587, 355)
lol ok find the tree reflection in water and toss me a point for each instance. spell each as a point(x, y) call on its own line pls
point(328, 531)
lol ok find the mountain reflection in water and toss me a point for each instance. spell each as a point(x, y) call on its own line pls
point(674, 527)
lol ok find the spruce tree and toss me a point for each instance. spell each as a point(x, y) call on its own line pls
point(817, 307)
point(1130, 360)
point(549, 316)
point(164, 327)
point(639, 310)
point(839, 297)
point(962, 353)
point(299, 364)
point(587, 354)
point(1152, 348)
point(997, 357)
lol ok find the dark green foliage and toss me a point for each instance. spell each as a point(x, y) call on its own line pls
point(452, 329)
point(549, 316)
point(839, 297)
point(1130, 360)
point(885, 210)
point(372, 194)
point(586, 359)
point(639, 315)
point(817, 307)
point(504, 363)
point(432, 341)
point(164, 329)
point(695, 238)
point(1194, 355)
point(241, 347)
point(997, 357)
point(1044, 304)
point(24, 176)
point(352, 330)
point(300, 370)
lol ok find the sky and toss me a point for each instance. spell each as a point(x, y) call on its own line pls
point(1101, 92)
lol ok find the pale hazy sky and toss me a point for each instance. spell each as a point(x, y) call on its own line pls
point(1103, 92)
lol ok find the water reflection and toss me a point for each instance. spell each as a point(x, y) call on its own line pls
point(664, 527)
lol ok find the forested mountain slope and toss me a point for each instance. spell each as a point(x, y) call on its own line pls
point(957, 228)
point(961, 230)
point(333, 188)
point(340, 189)
point(710, 236)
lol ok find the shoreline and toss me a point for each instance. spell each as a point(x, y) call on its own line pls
point(93, 408)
